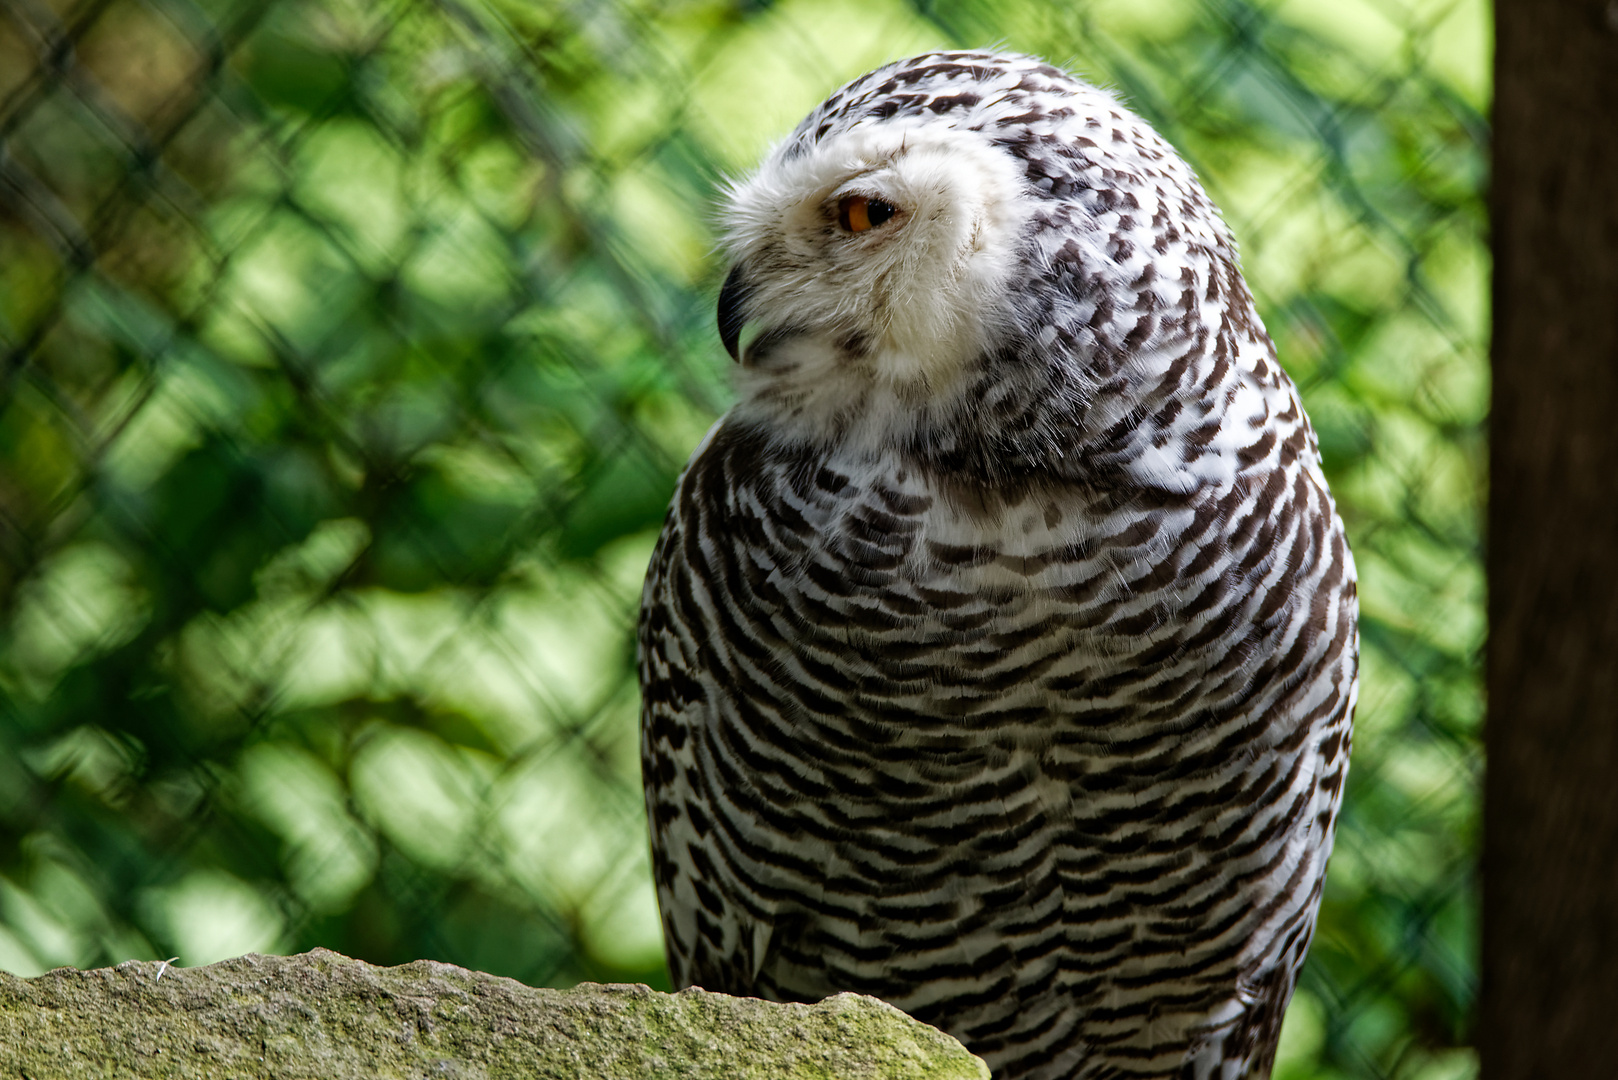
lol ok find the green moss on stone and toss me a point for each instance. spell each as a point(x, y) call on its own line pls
point(326, 1017)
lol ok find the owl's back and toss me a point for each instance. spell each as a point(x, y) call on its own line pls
point(1050, 763)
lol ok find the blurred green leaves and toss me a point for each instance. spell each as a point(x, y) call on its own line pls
point(349, 352)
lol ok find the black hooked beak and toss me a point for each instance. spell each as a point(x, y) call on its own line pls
point(733, 311)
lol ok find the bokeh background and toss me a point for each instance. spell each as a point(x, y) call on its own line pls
point(349, 351)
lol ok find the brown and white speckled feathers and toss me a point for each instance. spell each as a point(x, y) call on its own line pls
point(999, 652)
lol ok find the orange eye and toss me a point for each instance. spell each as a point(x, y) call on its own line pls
point(858, 213)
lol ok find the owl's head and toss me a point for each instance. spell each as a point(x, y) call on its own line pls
point(959, 229)
point(890, 246)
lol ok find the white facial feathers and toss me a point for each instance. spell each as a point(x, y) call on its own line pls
point(900, 306)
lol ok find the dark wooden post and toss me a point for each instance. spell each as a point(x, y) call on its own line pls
point(1550, 847)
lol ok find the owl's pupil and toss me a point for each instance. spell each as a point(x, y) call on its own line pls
point(858, 213)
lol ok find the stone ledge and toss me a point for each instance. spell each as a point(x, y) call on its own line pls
point(324, 1016)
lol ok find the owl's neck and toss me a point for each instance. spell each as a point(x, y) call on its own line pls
point(1165, 415)
point(850, 393)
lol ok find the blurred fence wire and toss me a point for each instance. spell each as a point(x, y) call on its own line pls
point(348, 353)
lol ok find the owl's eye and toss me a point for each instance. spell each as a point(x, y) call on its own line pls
point(859, 213)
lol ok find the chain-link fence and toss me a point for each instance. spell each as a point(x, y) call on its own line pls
point(350, 350)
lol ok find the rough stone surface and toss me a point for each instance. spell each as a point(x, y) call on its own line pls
point(323, 1015)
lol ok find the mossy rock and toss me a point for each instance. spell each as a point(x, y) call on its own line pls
point(326, 1017)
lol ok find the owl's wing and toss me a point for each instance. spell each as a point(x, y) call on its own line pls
point(709, 937)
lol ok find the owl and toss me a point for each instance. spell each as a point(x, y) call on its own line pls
point(1000, 650)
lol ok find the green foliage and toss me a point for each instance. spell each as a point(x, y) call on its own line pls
point(350, 352)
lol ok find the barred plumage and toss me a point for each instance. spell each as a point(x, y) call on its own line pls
point(999, 652)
